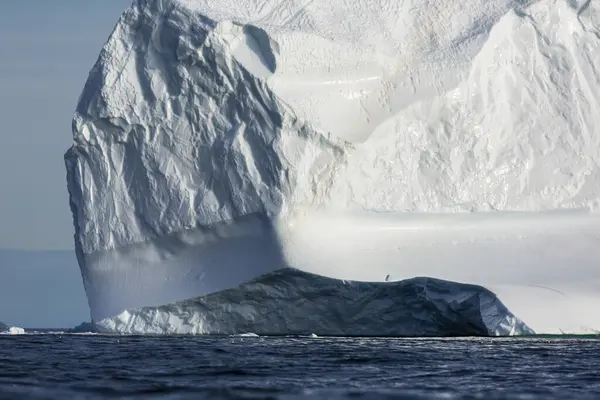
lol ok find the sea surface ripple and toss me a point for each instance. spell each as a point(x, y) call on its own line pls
point(61, 366)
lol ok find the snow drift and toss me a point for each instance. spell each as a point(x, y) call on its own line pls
point(217, 141)
point(293, 302)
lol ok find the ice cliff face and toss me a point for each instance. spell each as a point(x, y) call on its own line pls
point(207, 128)
point(293, 302)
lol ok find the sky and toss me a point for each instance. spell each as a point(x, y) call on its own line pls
point(41, 289)
point(46, 51)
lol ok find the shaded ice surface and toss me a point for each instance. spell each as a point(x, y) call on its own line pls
point(218, 141)
point(292, 302)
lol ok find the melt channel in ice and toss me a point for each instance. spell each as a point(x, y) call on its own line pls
point(219, 141)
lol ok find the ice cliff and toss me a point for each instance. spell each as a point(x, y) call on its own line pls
point(292, 302)
point(208, 130)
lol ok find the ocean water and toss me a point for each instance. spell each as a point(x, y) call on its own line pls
point(62, 366)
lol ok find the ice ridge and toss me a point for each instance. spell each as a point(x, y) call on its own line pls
point(292, 302)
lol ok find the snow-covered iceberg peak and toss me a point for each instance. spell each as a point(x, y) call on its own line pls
point(209, 129)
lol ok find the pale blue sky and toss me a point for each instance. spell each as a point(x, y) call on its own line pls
point(46, 51)
point(41, 289)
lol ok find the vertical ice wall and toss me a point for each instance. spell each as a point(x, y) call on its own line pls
point(180, 159)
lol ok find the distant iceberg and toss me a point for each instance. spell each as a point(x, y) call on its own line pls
point(13, 330)
point(10, 330)
point(292, 302)
point(84, 327)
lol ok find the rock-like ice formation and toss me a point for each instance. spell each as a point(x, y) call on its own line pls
point(3, 326)
point(293, 302)
point(214, 140)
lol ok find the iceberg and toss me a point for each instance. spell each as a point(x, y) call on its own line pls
point(292, 302)
point(84, 327)
point(13, 330)
point(216, 142)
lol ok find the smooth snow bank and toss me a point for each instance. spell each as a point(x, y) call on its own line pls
point(210, 132)
point(292, 302)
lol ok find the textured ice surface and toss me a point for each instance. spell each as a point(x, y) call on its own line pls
point(209, 133)
point(293, 302)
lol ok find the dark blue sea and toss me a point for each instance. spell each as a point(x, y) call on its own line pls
point(57, 366)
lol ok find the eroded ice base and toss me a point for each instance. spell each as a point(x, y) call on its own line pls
point(292, 302)
point(542, 266)
point(181, 266)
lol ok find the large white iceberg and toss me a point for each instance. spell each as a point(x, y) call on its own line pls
point(216, 141)
point(12, 330)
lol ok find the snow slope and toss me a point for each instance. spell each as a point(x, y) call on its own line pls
point(216, 141)
point(292, 302)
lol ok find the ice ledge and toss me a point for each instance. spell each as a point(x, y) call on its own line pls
point(292, 302)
